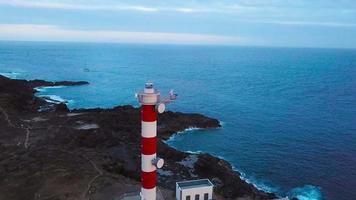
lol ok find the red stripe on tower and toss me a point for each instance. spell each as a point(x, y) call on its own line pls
point(148, 179)
point(149, 145)
point(149, 113)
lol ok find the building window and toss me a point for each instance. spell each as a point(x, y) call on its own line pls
point(187, 197)
point(206, 196)
point(197, 197)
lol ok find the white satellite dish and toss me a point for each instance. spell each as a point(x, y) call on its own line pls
point(158, 162)
point(161, 107)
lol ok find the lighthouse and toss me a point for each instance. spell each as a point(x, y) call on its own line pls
point(151, 105)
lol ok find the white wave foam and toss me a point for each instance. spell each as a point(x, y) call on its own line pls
point(259, 184)
point(194, 152)
point(173, 137)
point(12, 75)
point(307, 192)
point(56, 99)
point(44, 88)
point(189, 129)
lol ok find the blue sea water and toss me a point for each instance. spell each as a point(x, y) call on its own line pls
point(288, 114)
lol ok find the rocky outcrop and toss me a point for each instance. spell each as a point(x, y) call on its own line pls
point(18, 95)
point(94, 153)
point(167, 127)
point(42, 83)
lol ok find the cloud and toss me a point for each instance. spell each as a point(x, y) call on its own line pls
point(101, 7)
point(95, 6)
point(71, 6)
point(249, 11)
point(303, 23)
point(186, 10)
point(35, 32)
point(256, 7)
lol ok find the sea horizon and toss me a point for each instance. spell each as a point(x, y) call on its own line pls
point(177, 44)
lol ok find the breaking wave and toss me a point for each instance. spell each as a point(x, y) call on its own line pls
point(55, 99)
point(44, 88)
point(307, 192)
point(189, 129)
point(12, 75)
point(194, 152)
point(259, 184)
point(174, 136)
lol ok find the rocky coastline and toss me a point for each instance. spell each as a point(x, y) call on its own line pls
point(51, 152)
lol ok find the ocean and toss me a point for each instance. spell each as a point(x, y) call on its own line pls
point(288, 114)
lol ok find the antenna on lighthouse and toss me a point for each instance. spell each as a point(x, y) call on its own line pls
point(151, 103)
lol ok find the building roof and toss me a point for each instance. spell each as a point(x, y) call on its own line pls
point(194, 184)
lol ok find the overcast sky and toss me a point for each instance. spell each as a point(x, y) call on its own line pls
point(301, 23)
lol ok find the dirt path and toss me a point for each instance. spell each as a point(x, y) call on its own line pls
point(27, 138)
point(90, 183)
point(7, 119)
point(26, 142)
point(96, 168)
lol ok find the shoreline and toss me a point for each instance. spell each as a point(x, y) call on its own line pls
point(97, 132)
point(192, 129)
point(304, 192)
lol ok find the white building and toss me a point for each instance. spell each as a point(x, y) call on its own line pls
point(194, 190)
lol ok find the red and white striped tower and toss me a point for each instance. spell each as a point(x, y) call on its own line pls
point(151, 104)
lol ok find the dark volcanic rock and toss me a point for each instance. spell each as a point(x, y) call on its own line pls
point(85, 153)
point(17, 95)
point(42, 83)
point(167, 126)
point(61, 108)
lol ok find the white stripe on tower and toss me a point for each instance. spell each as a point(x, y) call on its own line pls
point(146, 163)
point(148, 194)
point(149, 129)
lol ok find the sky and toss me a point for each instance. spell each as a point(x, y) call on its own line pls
point(292, 23)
